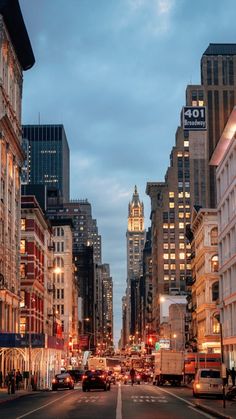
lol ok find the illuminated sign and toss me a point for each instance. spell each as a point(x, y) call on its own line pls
point(194, 118)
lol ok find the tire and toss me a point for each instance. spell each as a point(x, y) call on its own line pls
point(54, 388)
point(84, 389)
point(105, 388)
point(196, 395)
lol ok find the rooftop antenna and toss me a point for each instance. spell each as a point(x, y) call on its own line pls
point(39, 117)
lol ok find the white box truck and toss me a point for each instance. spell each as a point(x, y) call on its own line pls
point(168, 367)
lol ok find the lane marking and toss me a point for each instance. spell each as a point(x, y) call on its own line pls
point(42, 407)
point(119, 404)
point(177, 397)
point(202, 413)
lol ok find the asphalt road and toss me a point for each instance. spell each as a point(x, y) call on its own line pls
point(122, 402)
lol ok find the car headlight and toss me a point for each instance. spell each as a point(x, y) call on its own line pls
point(198, 385)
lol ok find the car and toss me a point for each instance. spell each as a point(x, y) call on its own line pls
point(207, 382)
point(96, 379)
point(76, 375)
point(63, 380)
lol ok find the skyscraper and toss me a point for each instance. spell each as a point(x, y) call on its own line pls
point(48, 157)
point(218, 78)
point(135, 237)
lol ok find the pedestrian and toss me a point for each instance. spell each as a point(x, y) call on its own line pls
point(1, 379)
point(8, 382)
point(233, 373)
point(18, 379)
point(132, 375)
point(13, 381)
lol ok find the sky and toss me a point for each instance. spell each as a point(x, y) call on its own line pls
point(114, 73)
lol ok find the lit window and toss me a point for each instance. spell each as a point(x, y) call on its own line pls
point(187, 194)
point(165, 256)
point(186, 143)
point(181, 245)
point(22, 246)
point(172, 226)
point(180, 194)
point(187, 215)
point(166, 266)
point(214, 263)
point(181, 236)
point(166, 277)
point(171, 194)
point(181, 214)
point(165, 246)
point(201, 103)
point(172, 256)
point(188, 266)
point(23, 224)
point(182, 266)
point(182, 255)
point(179, 154)
point(172, 266)
point(171, 205)
point(181, 225)
point(165, 225)
point(172, 245)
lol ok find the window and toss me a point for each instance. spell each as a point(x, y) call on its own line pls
point(166, 278)
point(22, 270)
point(166, 256)
point(23, 224)
point(182, 256)
point(215, 325)
point(215, 291)
point(166, 267)
point(181, 225)
point(214, 263)
point(23, 246)
point(214, 236)
point(171, 194)
point(171, 205)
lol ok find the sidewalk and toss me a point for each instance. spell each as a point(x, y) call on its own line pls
point(215, 406)
point(5, 397)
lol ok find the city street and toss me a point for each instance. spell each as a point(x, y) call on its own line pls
point(122, 402)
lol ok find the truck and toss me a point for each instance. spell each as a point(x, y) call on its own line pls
point(168, 367)
point(97, 363)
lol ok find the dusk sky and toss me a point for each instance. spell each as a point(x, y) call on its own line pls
point(114, 73)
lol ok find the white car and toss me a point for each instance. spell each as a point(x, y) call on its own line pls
point(207, 382)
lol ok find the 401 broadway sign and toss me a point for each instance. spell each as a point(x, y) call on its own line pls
point(194, 118)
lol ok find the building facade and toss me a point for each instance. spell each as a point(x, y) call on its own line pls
point(224, 158)
point(205, 284)
point(135, 239)
point(48, 157)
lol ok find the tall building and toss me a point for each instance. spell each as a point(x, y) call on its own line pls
point(48, 157)
point(135, 237)
point(218, 78)
point(16, 56)
point(85, 230)
point(170, 212)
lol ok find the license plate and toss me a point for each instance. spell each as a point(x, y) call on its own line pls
point(93, 379)
point(214, 385)
point(60, 381)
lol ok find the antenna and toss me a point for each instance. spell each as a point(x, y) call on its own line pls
point(39, 118)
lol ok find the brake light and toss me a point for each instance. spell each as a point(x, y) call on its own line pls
point(102, 376)
point(67, 379)
point(54, 380)
point(83, 377)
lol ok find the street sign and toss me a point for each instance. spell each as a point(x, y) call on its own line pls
point(157, 346)
point(194, 118)
point(164, 343)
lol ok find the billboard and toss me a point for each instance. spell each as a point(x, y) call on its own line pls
point(194, 118)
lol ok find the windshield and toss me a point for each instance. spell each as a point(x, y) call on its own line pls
point(210, 374)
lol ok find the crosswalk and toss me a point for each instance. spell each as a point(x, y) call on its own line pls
point(149, 399)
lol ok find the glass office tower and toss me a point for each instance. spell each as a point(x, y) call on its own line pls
point(48, 157)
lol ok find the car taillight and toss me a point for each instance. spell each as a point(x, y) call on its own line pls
point(67, 379)
point(102, 376)
point(54, 380)
point(138, 377)
point(83, 377)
